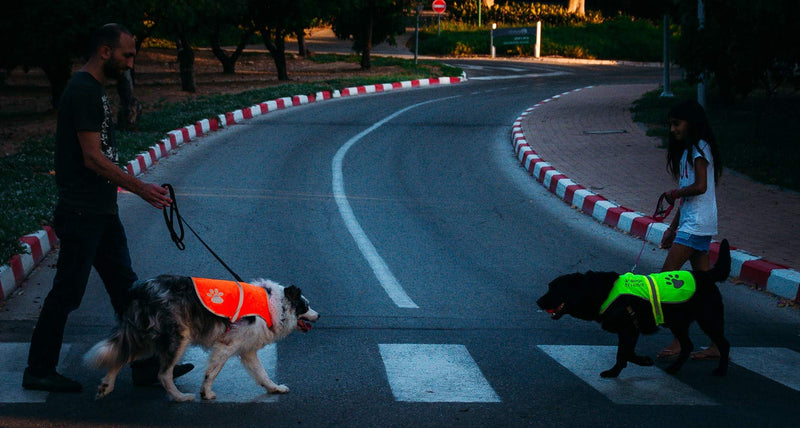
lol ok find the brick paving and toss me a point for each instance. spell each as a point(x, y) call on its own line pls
point(590, 137)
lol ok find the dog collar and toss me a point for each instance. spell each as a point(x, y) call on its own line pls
point(233, 300)
point(665, 287)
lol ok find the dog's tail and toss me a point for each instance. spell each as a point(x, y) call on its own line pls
point(122, 346)
point(106, 353)
point(722, 268)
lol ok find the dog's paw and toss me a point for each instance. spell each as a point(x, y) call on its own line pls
point(103, 390)
point(182, 398)
point(208, 395)
point(610, 373)
point(642, 361)
point(278, 389)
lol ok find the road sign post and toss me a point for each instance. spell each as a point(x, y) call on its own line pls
point(439, 7)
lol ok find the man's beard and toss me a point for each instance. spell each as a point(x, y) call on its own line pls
point(112, 71)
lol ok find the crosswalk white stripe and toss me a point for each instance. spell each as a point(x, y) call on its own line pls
point(435, 374)
point(233, 384)
point(778, 364)
point(12, 365)
point(636, 385)
point(445, 373)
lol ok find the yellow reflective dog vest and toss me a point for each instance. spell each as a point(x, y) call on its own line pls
point(233, 300)
point(665, 287)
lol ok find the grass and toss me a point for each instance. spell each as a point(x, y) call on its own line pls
point(27, 186)
point(758, 136)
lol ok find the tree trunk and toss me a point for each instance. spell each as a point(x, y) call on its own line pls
point(577, 6)
point(186, 64)
point(58, 72)
point(130, 108)
point(302, 49)
point(366, 62)
point(277, 48)
point(228, 61)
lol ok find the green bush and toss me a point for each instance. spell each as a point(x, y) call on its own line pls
point(620, 38)
point(514, 13)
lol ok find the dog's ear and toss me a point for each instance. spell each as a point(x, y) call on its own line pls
point(292, 292)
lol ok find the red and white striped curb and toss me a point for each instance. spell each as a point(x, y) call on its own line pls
point(772, 277)
point(40, 243)
point(19, 266)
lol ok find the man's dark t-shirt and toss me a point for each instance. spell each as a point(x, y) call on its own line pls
point(84, 107)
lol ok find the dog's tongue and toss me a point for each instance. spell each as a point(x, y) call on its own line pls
point(304, 325)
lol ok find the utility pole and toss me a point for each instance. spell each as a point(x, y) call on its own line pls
point(416, 33)
point(667, 87)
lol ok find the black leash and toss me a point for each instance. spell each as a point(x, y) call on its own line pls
point(174, 213)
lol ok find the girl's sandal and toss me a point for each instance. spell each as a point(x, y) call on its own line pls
point(705, 354)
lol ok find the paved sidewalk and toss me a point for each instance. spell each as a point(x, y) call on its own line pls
point(588, 136)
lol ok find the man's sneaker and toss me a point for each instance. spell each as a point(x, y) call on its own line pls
point(53, 382)
point(145, 373)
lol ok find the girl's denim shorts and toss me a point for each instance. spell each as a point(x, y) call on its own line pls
point(697, 242)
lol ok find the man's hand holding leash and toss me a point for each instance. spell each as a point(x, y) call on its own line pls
point(155, 195)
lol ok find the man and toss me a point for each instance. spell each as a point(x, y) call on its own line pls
point(86, 217)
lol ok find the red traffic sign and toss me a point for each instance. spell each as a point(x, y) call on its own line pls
point(439, 6)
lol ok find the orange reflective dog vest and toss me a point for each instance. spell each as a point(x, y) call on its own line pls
point(233, 300)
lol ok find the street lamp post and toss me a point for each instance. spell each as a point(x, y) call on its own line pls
point(701, 86)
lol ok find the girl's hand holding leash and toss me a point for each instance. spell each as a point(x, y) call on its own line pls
point(670, 196)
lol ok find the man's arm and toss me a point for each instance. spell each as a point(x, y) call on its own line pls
point(94, 159)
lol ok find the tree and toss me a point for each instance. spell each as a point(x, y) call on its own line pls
point(48, 35)
point(182, 20)
point(577, 6)
point(277, 19)
point(273, 20)
point(231, 16)
point(370, 22)
point(743, 44)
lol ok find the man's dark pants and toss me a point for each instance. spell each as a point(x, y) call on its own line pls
point(86, 240)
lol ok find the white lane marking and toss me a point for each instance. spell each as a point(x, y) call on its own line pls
point(435, 374)
point(778, 364)
point(376, 262)
point(233, 384)
point(635, 385)
point(520, 76)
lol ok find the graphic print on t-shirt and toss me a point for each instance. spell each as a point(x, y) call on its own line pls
point(109, 149)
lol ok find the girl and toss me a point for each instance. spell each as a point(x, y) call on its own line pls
point(693, 160)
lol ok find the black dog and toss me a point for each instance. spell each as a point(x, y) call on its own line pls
point(585, 296)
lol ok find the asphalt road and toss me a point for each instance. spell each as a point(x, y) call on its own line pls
point(410, 226)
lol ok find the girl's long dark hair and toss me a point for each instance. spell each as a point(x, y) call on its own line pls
point(699, 129)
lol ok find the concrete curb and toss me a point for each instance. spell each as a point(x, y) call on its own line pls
point(765, 275)
point(41, 242)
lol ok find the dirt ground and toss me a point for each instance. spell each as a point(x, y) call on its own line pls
point(25, 110)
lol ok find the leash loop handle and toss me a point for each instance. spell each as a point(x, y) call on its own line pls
point(169, 219)
point(660, 214)
point(177, 238)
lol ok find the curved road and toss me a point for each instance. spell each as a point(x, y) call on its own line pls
point(410, 226)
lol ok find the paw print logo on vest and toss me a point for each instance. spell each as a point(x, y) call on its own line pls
point(673, 280)
point(215, 295)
